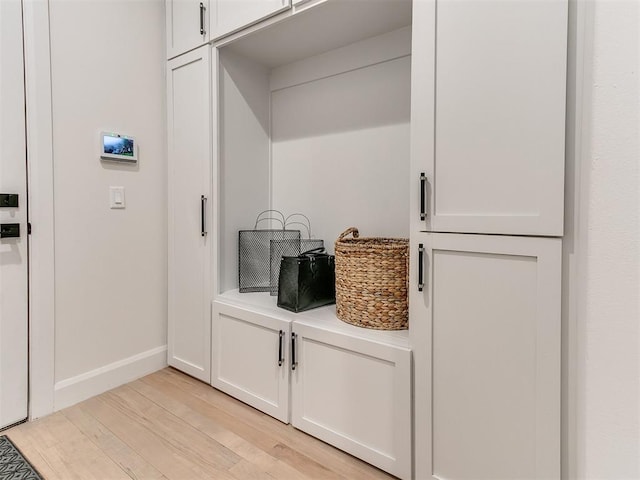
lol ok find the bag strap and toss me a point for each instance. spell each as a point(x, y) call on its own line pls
point(260, 218)
point(350, 230)
point(313, 251)
point(300, 223)
point(307, 224)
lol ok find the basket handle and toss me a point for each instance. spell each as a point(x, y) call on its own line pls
point(308, 224)
point(350, 230)
point(259, 218)
point(303, 224)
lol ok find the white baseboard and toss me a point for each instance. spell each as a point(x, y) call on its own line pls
point(76, 389)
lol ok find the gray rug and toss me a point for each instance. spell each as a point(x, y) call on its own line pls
point(13, 466)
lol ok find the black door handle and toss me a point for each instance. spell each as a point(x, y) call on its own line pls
point(203, 209)
point(10, 230)
point(202, 9)
point(420, 267)
point(9, 200)
point(423, 196)
point(280, 348)
point(294, 360)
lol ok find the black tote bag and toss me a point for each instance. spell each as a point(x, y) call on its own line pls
point(307, 281)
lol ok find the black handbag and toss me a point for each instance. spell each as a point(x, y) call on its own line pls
point(307, 281)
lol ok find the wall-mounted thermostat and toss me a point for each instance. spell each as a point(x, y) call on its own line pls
point(117, 147)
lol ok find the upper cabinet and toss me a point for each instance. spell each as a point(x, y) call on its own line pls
point(488, 116)
point(192, 23)
point(230, 15)
point(187, 26)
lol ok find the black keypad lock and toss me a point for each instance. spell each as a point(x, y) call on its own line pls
point(9, 230)
point(8, 200)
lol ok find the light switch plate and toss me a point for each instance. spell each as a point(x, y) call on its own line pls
point(116, 197)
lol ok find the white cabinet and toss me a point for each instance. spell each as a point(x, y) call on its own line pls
point(488, 116)
point(486, 340)
point(346, 385)
point(186, 23)
point(230, 15)
point(469, 95)
point(189, 270)
point(250, 358)
point(354, 394)
point(487, 157)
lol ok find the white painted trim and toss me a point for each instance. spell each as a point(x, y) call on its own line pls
point(76, 389)
point(41, 213)
point(574, 282)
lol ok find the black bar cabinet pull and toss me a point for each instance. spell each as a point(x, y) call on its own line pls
point(280, 348)
point(294, 360)
point(203, 208)
point(202, 32)
point(423, 196)
point(420, 267)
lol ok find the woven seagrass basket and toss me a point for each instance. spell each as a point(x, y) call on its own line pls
point(372, 280)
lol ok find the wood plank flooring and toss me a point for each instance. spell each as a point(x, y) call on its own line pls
point(170, 426)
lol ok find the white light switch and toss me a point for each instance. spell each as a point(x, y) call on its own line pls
point(116, 197)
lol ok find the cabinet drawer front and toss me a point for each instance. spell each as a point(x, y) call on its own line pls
point(355, 395)
point(245, 359)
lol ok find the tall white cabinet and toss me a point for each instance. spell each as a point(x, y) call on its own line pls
point(189, 160)
point(441, 121)
point(488, 115)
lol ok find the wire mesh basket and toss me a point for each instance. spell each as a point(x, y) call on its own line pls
point(254, 248)
point(290, 248)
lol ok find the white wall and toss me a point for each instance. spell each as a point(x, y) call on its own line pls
point(108, 73)
point(607, 329)
point(340, 150)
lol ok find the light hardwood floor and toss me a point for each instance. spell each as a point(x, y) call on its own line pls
point(169, 426)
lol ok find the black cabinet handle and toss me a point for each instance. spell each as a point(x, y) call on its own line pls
point(280, 348)
point(420, 267)
point(202, 9)
point(423, 196)
point(203, 209)
point(294, 360)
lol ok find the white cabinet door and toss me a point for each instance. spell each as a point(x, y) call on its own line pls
point(250, 358)
point(488, 115)
point(354, 394)
point(14, 318)
point(186, 25)
point(189, 134)
point(230, 15)
point(485, 333)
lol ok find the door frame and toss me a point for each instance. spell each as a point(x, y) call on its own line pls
point(37, 64)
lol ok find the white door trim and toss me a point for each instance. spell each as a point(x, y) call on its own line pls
point(37, 58)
